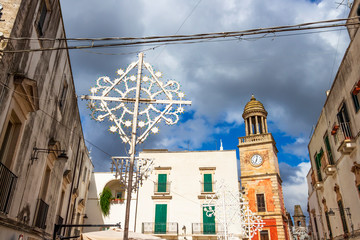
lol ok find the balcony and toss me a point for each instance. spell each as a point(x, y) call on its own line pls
point(206, 228)
point(7, 186)
point(328, 168)
point(162, 188)
point(319, 185)
point(41, 215)
point(169, 228)
point(346, 139)
point(256, 138)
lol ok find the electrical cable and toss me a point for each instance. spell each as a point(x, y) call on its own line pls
point(196, 38)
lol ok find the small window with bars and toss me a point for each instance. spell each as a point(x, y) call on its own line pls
point(260, 199)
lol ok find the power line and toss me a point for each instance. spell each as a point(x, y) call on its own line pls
point(195, 38)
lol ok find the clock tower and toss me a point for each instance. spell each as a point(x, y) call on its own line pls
point(260, 175)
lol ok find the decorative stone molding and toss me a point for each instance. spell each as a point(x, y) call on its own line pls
point(161, 197)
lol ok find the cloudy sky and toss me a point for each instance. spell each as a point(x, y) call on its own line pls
point(288, 74)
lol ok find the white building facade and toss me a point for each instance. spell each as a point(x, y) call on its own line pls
point(171, 202)
point(334, 177)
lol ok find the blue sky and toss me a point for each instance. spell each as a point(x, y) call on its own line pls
point(289, 75)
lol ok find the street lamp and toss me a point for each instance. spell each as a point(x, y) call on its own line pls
point(36, 151)
point(138, 103)
point(332, 213)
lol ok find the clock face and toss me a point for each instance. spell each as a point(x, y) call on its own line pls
point(256, 160)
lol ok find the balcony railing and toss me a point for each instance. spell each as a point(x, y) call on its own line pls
point(206, 228)
point(160, 228)
point(59, 221)
point(41, 214)
point(162, 187)
point(7, 186)
point(345, 138)
point(255, 138)
point(346, 130)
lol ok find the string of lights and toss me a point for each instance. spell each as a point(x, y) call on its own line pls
point(172, 39)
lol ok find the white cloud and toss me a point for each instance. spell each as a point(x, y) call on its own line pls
point(297, 148)
point(295, 185)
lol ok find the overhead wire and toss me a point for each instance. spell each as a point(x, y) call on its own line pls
point(182, 24)
point(195, 38)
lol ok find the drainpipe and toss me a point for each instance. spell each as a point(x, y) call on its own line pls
point(72, 183)
point(77, 187)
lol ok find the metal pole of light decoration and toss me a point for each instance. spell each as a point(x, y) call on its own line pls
point(113, 100)
point(132, 148)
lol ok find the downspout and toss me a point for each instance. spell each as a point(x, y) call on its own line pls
point(77, 187)
point(72, 183)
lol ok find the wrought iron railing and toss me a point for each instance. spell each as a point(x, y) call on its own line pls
point(162, 187)
point(160, 228)
point(41, 215)
point(7, 186)
point(346, 130)
point(206, 228)
point(59, 221)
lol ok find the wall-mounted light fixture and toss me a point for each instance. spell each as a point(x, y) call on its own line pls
point(34, 156)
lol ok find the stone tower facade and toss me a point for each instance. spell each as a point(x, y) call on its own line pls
point(299, 217)
point(260, 176)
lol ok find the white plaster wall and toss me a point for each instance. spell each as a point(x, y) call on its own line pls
point(117, 211)
point(185, 207)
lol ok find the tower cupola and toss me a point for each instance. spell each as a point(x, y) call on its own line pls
point(255, 117)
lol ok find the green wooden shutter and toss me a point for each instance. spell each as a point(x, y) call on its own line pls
point(160, 218)
point(208, 183)
point(162, 180)
point(328, 149)
point(318, 166)
point(208, 222)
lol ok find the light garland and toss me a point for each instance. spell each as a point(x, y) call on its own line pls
point(113, 100)
point(230, 208)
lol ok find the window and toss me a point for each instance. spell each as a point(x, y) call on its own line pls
point(328, 149)
point(208, 220)
point(160, 218)
point(162, 182)
point(63, 94)
point(10, 138)
point(260, 199)
point(316, 227)
point(344, 121)
point(355, 96)
point(42, 17)
point(318, 165)
point(328, 224)
point(264, 235)
point(84, 174)
point(342, 215)
point(119, 195)
point(208, 182)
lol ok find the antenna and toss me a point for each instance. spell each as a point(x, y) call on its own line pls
point(221, 145)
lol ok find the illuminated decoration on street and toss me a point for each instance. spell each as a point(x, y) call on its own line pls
point(230, 209)
point(114, 100)
point(142, 169)
point(133, 104)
